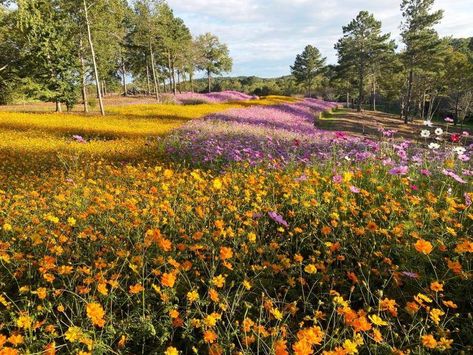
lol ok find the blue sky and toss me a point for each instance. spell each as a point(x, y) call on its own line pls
point(264, 36)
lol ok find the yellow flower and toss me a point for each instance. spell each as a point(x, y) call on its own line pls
point(276, 313)
point(211, 319)
point(192, 296)
point(310, 269)
point(247, 285)
point(435, 315)
point(376, 320)
point(96, 313)
point(350, 347)
point(24, 321)
point(71, 221)
point(7, 227)
point(171, 351)
point(217, 184)
point(219, 281)
point(74, 334)
point(251, 237)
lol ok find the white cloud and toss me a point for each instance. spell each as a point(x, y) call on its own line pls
point(265, 35)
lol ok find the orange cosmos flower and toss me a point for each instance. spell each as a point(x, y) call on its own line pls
point(423, 246)
point(226, 253)
point(436, 286)
point(134, 289)
point(210, 336)
point(96, 313)
point(429, 341)
point(168, 279)
point(280, 347)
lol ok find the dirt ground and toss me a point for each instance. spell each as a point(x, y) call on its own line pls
point(368, 123)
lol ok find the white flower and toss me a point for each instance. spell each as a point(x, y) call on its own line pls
point(425, 133)
point(439, 131)
point(434, 146)
point(459, 150)
point(428, 123)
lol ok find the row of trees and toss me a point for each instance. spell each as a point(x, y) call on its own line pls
point(426, 72)
point(54, 49)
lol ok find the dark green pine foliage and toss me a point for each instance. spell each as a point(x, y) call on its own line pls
point(424, 50)
point(362, 50)
point(308, 66)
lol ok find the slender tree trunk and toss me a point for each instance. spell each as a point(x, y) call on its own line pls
point(374, 94)
point(153, 70)
point(58, 106)
point(83, 74)
point(408, 103)
point(457, 99)
point(125, 93)
point(94, 61)
point(191, 78)
point(209, 80)
point(361, 87)
point(348, 100)
point(147, 79)
point(423, 106)
point(179, 81)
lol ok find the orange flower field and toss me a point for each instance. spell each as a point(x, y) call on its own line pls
point(104, 256)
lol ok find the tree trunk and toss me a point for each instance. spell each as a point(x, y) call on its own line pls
point(348, 100)
point(423, 106)
point(84, 82)
point(179, 81)
point(209, 80)
point(407, 107)
point(191, 78)
point(374, 94)
point(58, 106)
point(153, 70)
point(125, 93)
point(361, 87)
point(94, 61)
point(147, 79)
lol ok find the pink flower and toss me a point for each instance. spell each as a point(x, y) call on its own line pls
point(354, 189)
point(337, 179)
point(400, 170)
point(278, 219)
point(449, 120)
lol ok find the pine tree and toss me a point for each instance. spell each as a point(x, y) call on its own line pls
point(308, 66)
point(423, 47)
point(361, 50)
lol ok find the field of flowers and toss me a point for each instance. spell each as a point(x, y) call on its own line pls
point(248, 231)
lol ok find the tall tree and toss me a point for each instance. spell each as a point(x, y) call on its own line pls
point(215, 57)
point(362, 48)
point(423, 47)
point(308, 66)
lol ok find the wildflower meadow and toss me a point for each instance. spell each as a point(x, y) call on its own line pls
point(232, 227)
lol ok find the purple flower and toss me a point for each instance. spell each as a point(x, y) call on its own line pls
point(400, 170)
point(301, 178)
point(337, 179)
point(410, 274)
point(79, 139)
point(278, 219)
point(354, 189)
point(426, 172)
point(453, 175)
point(468, 201)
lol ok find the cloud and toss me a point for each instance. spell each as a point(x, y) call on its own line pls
point(264, 36)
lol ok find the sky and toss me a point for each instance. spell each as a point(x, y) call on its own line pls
point(264, 36)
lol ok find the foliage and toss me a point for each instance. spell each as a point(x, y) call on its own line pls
point(308, 66)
